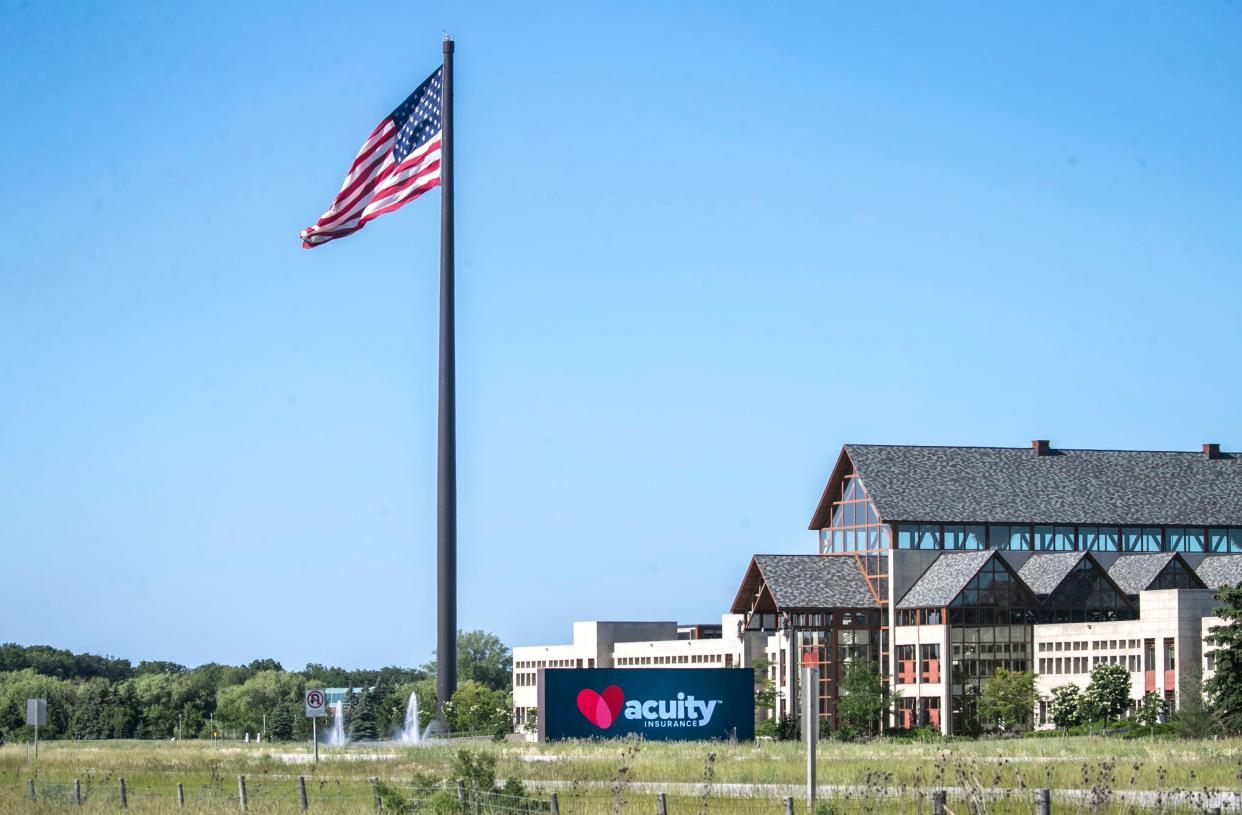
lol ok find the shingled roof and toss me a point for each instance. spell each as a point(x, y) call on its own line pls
point(1134, 573)
point(1044, 571)
point(809, 581)
point(1013, 485)
point(945, 579)
point(1220, 570)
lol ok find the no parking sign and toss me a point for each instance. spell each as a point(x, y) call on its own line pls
point(316, 703)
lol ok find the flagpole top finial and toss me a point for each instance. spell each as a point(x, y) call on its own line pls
point(448, 42)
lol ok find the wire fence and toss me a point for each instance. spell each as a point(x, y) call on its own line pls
point(303, 794)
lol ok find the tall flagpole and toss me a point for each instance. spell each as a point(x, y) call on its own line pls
point(446, 474)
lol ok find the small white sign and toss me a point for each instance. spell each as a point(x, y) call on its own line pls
point(316, 703)
point(36, 712)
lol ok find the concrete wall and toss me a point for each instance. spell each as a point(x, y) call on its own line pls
point(1176, 615)
point(613, 644)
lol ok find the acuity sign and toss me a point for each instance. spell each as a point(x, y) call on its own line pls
point(655, 703)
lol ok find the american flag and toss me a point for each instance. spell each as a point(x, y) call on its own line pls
point(398, 162)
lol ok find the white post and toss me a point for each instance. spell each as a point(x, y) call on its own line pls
point(810, 729)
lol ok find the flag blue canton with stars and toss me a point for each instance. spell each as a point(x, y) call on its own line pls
point(418, 118)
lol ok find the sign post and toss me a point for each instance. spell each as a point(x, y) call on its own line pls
point(36, 715)
point(810, 726)
point(315, 705)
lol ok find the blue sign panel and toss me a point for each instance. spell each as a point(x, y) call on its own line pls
point(655, 703)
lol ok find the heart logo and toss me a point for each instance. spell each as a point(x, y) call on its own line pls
point(601, 709)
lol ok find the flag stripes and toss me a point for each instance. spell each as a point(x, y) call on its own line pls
point(397, 163)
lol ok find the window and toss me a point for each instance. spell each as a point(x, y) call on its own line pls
point(929, 662)
point(1009, 537)
point(990, 627)
point(1185, 540)
point(1144, 539)
point(1054, 538)
point(855, 525)
point(1098, 538)
point(928, 537)
point(964, 537)
point(1175, 576)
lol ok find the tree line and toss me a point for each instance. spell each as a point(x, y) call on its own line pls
point(98, 697)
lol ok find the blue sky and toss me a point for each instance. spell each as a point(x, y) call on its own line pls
point(700, 246)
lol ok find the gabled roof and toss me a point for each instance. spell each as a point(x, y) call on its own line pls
point(1133, 573)
point(1013, 485)
point(1220, 570)
point(1044, 571)
point(807, 582)
point(945, 579)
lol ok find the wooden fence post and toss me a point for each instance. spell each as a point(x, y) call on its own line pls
point(788, 805)
point(241, 792)
point(77, 791)
point(124, 798)
point(375, 793)
point(555, 805)
point(180, 796)
point(33, 798)
point(302, 792)
point(938, 802)
point(461, 792)
point(661, 804)
point(1043, 802)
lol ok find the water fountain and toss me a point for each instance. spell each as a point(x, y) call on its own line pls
point(412, 733)
point(336, 738)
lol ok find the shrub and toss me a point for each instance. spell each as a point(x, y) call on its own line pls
point(788, 728)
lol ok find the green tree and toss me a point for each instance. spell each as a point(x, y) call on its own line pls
point(765, 689)
point(1224, 689)
point(1066, 706)
point(90, 713)
point(123, 712)
point(160, 698)
point(478, 709)
point(1008, 699)
point(1192, 719)
point(1107, 695)
point(241, 707)
point(1151, 708)
point(364, 718)
point(159, 666)
point(18, 686)
point(863, 696)
point(280, 722)
point(482, 658)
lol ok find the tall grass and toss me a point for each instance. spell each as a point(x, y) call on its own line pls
point(616, 778)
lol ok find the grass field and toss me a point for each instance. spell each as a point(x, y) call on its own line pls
point(600, 778)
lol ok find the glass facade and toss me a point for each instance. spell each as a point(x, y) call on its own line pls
point(1066, 538)
point(832, 638)
point(1175, 576)
point(1086, 596)
point(855, 525)
point(990, 626)
point(856, 528)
